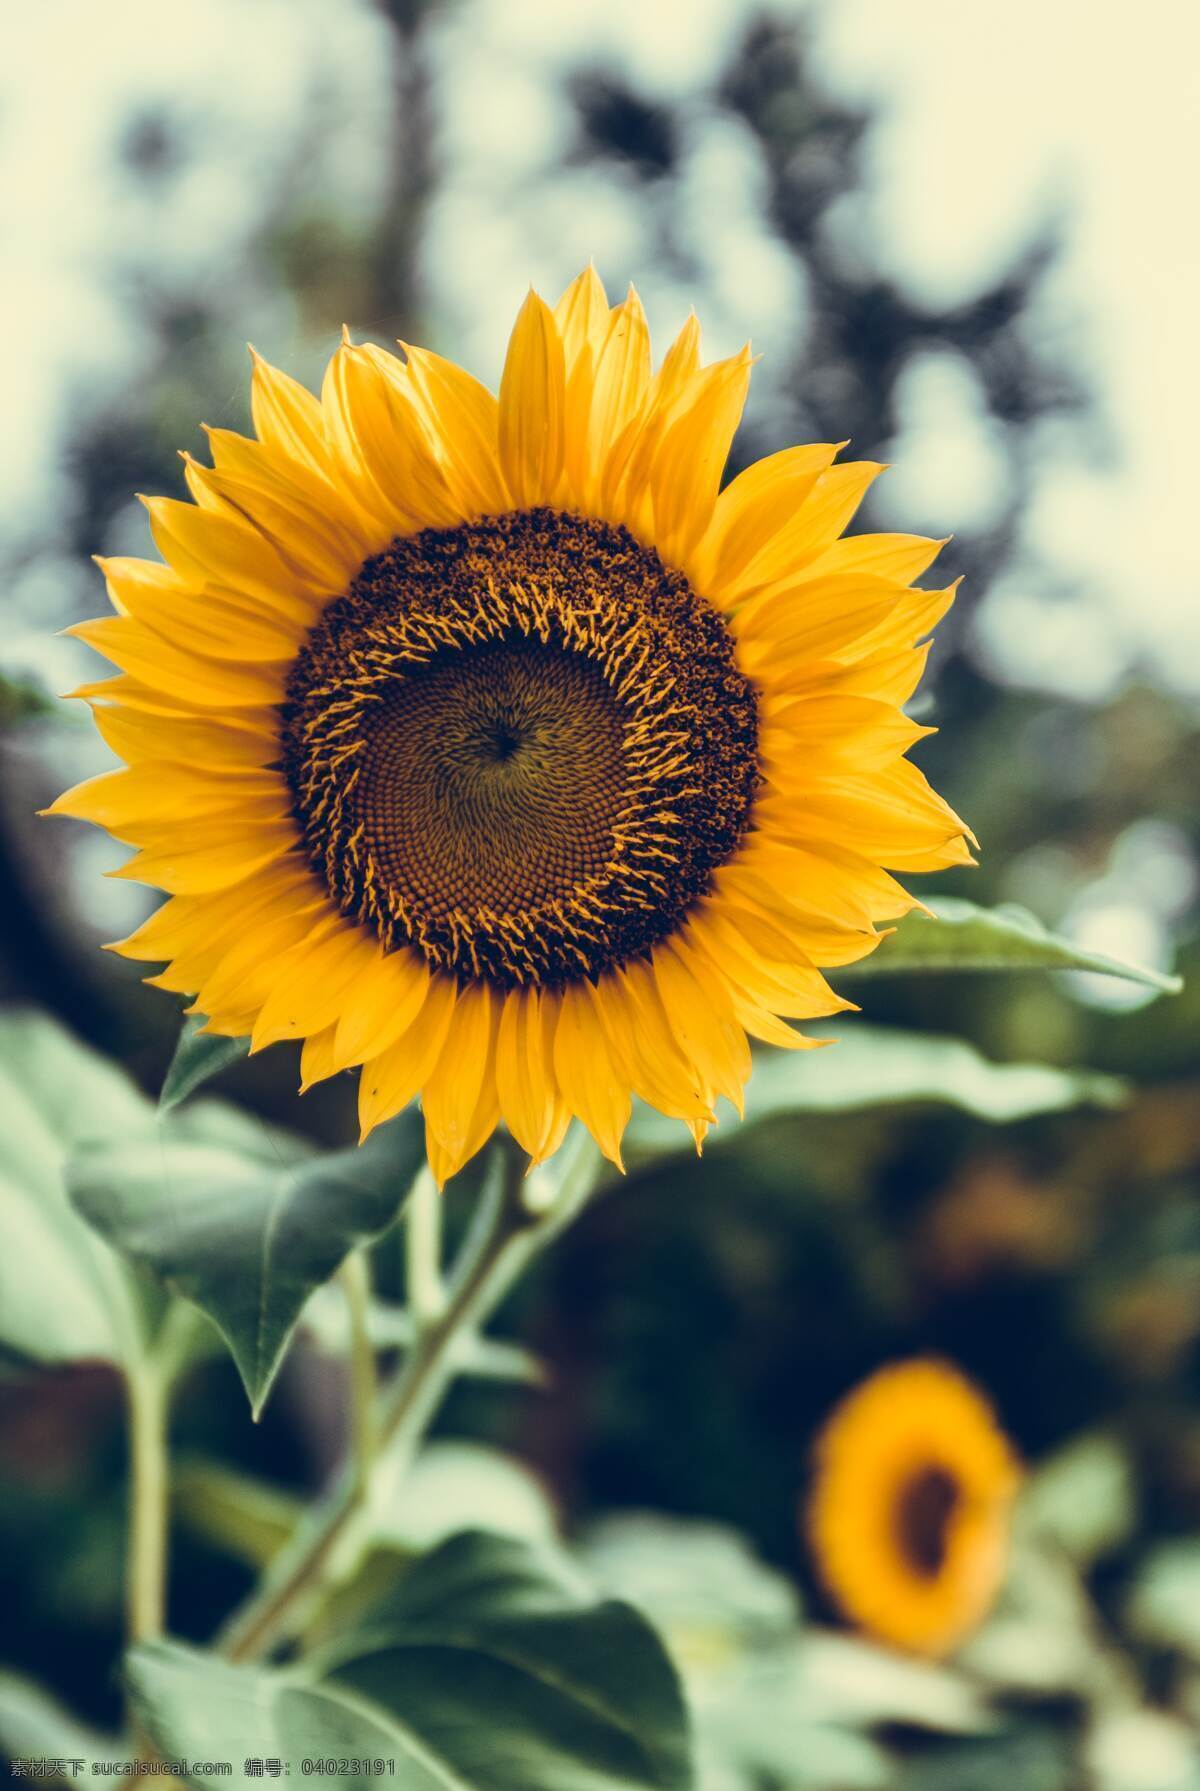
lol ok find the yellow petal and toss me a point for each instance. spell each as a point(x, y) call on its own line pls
point(134, 695)
point(532, 406)
point(631, 502)
point(389, 1082)
point(317, 1059)
point(207, 743)
point(655, 1069)
point(381, 445)
point(826, 512)
point(382, 1006)
point(183, 922)
point(701, 1021)
point(245, 973)
point(209, 856)
point(524, 1071)
point(300, 534)
point(117, 798)
point(581, 315)
point(751, 512)
point(287, 417)
point(313, 982)
point(619, 387)
point(687, 469)
point(208, 549)
point(590, 1082)
point(832, 618)
point(898, 557)
point(199, 680)
point(223, 624)
point(453, 1098)
point(465, 419)
point(871, 734)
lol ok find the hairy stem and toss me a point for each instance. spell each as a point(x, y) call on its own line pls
point(508, 1231)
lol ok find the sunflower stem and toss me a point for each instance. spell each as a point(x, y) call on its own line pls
point(146, 1561)
point(355, 1276)
point(423, 1252)
point(504, 1238)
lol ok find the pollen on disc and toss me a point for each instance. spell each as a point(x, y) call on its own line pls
point(521, 746)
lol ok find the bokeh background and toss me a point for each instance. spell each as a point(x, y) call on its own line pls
point(959, 235)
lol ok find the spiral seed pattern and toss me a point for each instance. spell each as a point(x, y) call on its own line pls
point(521, 746)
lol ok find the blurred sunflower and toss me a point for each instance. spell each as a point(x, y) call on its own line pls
point(489, 745)
point(909, 1512)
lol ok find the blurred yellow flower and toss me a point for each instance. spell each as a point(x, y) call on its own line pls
point(908, 1517)
point(489, 746)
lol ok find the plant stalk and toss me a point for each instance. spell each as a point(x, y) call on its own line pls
point(355, 1277)
point(146, 1560)
point(426, 1296)
point(508, 1231)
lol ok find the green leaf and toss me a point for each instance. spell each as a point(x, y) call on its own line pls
point(34, 1725)
point(514, 1680)
point(1082, 1500)
point(493, 1672)
point(964, 937)
point(64, 1296)
point(198, 1057)
point(244, 1234)
point(454, 1486)
point(1164, 1606)
point(196, 1707)
point(876, 1066)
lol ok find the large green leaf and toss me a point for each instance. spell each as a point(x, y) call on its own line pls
point(64, 1296)
point(496, 1655)
point(875, 1066)
point(195, 1707)
point(240, 1226)
point(962, 936)
point(490, 1670)
point(197, 1057)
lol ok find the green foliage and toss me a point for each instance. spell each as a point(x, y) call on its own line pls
point(962, 936)
point(1081, 1501)
point(197, 1057)
point(22, 701)
point(64, 1295)
point(1164, 1605)
point(242, 1224)
point(873, 1066)
point(34, 1725)
point(491, 1669)
point(389, 1326)
point(774, 1701)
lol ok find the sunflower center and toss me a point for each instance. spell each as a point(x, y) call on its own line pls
point(522, 746)
point(926, 1504)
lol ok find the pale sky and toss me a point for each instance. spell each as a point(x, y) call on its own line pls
point(992, 115)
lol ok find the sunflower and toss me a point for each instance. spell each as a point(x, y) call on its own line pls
point(909, 1511)
point(488, 745)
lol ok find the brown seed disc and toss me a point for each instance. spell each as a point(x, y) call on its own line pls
point(522, 746)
